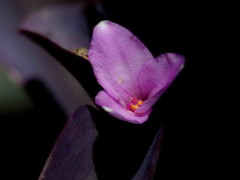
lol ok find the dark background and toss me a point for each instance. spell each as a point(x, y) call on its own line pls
point(188, 110)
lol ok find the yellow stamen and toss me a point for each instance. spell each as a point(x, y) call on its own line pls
point(140, 102)
point(82, 52)
point(134, 103)
point(134, 107)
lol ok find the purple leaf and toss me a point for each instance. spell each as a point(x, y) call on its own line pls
point(121, 148)
point(71, 157)
point(148, 167)
point(80, 68)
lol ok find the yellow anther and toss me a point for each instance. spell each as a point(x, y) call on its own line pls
point(134, 103)
point(134, 107)
point(140, 102)
point(83, 52)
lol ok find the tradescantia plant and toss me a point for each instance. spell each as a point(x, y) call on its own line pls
point(125, 80)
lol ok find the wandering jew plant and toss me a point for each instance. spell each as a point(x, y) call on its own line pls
point(133, 80)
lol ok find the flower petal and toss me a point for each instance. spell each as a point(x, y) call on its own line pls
point(117, 110)
point(156, 75)
point(117, 57)
point(147, 105)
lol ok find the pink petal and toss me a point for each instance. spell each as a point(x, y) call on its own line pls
point(117, 57)
point(156, 75)
point(147, 105)
point(117, 110)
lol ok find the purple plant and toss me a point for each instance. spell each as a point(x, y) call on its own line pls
point(132, 81)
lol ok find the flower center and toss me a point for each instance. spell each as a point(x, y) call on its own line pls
point(134, 104)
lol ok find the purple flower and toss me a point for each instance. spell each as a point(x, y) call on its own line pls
point(133, 80)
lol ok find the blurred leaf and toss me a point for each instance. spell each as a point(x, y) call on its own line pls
point(13, 99)
point(35, 130)
point(80, 68)
point(65, 25)
point(148, 167)
point(71, 157)
point(60, 31)
point(45, 101)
